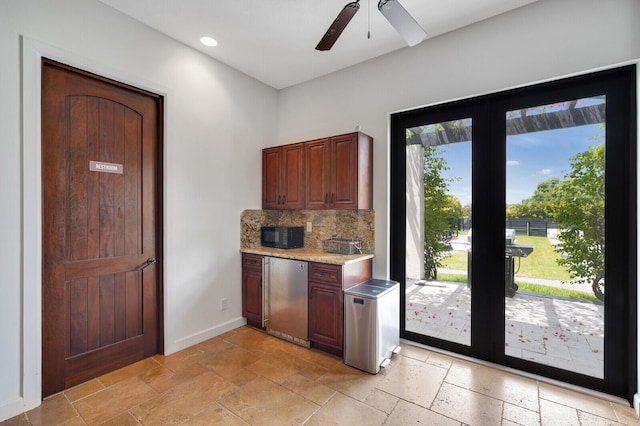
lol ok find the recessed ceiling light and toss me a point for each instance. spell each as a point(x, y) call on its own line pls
point(208, 41)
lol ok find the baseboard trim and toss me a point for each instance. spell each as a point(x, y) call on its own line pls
point(11, 408)
point(203, 335)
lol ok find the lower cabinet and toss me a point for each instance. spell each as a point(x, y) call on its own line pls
point(326, 310)
point(326, 317)
point(252, 289)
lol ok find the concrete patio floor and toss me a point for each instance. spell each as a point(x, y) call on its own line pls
point(558, 332)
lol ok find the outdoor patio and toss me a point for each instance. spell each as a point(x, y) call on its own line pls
point(554, 331)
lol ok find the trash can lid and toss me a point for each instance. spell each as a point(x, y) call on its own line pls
point(367, 290)
point(382, 283)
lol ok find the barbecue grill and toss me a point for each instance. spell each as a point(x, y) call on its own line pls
point(511, 251)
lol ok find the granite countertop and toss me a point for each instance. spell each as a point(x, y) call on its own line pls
point(310, 255)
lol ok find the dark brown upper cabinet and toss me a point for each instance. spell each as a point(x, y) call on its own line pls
point(339, 172)
point(328, 173)
point(283, 177)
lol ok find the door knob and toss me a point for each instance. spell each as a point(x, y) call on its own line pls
point(150, 261)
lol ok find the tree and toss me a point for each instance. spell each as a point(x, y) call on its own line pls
point(540, 205)
point(580, 212)
point(436, 215)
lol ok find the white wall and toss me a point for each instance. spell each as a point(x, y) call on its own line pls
point(216, 121)
point(545, 40)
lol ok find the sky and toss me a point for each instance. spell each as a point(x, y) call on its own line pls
point(531, 159)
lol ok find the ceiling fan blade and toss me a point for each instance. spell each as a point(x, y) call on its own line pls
point(402, 21)
point(338, 25)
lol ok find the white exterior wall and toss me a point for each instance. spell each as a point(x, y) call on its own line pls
point(545, 40)
point(216, 121)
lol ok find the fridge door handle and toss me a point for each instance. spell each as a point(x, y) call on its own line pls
point(265, 291)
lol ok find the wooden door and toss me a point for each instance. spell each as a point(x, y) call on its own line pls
point(100, 227)
point(292, 176)
point(317, 174)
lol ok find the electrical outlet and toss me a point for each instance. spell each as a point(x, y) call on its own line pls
point(309, 227)
point(224, 304)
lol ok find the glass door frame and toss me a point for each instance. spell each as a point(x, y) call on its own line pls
point(488, 114)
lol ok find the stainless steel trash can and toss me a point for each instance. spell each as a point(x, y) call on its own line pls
point(371, 324)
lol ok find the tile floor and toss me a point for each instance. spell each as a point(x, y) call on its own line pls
point(248, 377)
point(553, 331)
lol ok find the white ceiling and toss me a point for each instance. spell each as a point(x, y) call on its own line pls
point(274, 40)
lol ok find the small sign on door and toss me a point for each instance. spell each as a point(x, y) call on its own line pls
point(99, 166)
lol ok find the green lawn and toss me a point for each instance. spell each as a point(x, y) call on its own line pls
point(541, 263)
point(530, 288)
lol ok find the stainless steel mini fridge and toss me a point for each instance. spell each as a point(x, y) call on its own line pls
point(371, 324)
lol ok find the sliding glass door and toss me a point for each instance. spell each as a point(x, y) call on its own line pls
point(513, 228)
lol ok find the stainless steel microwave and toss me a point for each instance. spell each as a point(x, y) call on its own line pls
point(285, 237)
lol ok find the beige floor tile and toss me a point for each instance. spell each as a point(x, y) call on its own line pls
point(230, 361)
point(241, 377)
point(415, 352)
point(350, 381)
point(129, 371)
point(114, 400)
point(342, 410)
point(274, 367)
point(406, 414)
point(414, 381)
point(183, 401)
point(553, 414)
point(75, 421)
point(182, 359)
point(262, 402)
point(53, 410)
point(439, 360)
point(162, 379)
point(314, 356)
point(19, 420)
point(382, 401)
point(310, 389)
point(467, 406)
point(507, 387)
point(580, 401)
point(587, 419)
point(625, 414)
point(215, 415)
point(83, 390)
point(124, 419)
point(215, 345)
point(519, 415)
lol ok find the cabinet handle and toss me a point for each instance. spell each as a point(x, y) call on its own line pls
point(332, 198)
point(279, 199)
point(326, 198)
point(284, 199)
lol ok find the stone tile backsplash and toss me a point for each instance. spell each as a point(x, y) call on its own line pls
point(349, 224)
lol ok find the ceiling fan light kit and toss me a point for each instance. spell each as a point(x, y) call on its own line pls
point(392, 10)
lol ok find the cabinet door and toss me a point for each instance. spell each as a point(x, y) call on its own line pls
point(252, 296)
point(344, 172)
point(271, 177)
point(292, 177)
point(317, 174)
point(326, 315)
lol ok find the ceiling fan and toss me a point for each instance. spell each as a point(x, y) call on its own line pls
point(397, 16)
